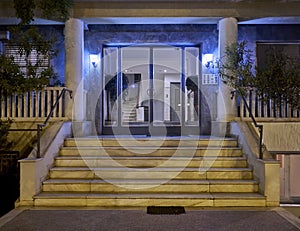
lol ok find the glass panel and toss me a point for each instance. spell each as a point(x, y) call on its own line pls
point(192, 85)
point(135, 85)
point(166, 85)
point(110, 70)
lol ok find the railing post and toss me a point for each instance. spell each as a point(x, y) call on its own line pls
point(260, 141)
point(39, 129)
point(39, 126)
point(260, 127)
point(38, 154)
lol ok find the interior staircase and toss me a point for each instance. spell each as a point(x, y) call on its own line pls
point(129, 111)
point(150, 171)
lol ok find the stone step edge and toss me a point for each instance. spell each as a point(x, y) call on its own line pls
point(175, 158)
point(162, 148)
point(150, 182)
point(151, 138)
point(62, 195)
point(156, 169)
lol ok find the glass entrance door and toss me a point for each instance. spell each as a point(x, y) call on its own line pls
point(151, 90)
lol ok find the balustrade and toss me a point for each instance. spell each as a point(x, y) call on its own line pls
point(34, 104)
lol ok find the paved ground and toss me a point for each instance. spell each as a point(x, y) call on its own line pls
point(129, 219)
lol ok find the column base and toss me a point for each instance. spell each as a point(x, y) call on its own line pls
point(81, 128)
point(220, 129)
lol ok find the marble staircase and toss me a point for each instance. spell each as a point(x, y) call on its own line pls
point(129, 111)
point(150, 171)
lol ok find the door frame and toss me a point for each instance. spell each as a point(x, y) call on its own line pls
point(150, 129)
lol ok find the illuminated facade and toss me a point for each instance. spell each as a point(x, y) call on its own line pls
point(147, 67)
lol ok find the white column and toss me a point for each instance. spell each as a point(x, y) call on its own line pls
point(74, 48)
point(226, 108)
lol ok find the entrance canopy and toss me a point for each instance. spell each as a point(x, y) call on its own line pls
point(171, 12)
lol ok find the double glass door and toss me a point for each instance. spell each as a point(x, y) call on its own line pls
point(151, 90)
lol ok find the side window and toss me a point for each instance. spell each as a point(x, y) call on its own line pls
point(35, 59)
point(263, 49)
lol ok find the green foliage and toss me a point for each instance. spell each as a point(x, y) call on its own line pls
point(279, 79)
point(24, 10)
point(50, 9)
point(236, 67)
point(28, 38)
point(55, 9)
point(12, 80)
point(4, 127)
point(32, 76)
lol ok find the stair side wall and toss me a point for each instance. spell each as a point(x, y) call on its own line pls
point(34, 171)
point(266, 171)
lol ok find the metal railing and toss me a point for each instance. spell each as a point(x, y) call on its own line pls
point(263, 109)
point(40, 126)
point(258, 126)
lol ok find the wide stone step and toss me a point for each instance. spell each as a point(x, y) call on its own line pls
point(144, 171)
point(128, 114)
point(151, 142)
point(128, 118)
point(156, 199)
point(151, 173)
point(153, 151)
point(149, 186)
point(150, 161)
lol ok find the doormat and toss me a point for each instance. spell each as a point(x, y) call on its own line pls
point(157, 210)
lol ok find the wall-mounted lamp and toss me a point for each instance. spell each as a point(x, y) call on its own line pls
point(94, 59)
point(207, 60)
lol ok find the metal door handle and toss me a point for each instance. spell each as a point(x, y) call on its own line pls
point(149, 90)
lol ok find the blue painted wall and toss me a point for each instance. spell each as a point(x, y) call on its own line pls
point(170, 34)
point(207, 35)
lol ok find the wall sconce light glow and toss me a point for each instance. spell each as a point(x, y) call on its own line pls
point(94, 59)
point(207, 59)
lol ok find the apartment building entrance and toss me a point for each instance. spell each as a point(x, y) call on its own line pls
point(151, 89)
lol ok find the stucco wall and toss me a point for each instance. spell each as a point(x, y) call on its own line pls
point(282, 136)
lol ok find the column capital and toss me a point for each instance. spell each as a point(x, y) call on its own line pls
point(228, 33)
point(229, 19)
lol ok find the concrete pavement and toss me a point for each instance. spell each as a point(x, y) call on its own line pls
point(244, 219)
